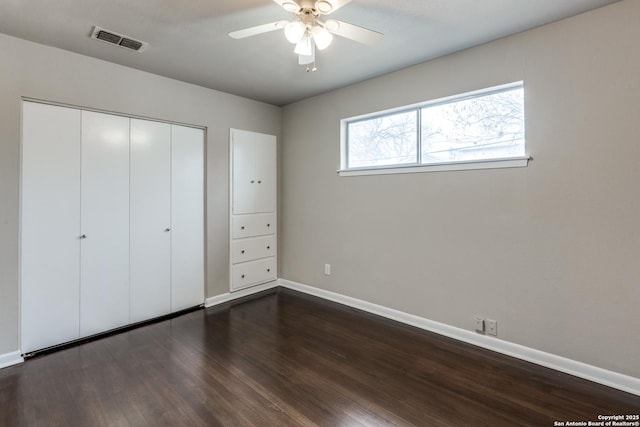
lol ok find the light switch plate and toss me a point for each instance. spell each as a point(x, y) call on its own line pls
point(491, 327)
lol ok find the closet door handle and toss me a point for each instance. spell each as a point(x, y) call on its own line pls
point(84, 236)
point(167, 229)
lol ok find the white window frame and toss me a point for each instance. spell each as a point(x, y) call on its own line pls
point(493, 163)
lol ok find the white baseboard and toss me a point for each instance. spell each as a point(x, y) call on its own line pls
point(230, 296)
point(9, 359)
point(559, 363)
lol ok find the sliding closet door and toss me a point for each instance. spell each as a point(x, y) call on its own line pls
point(187, 217)
point(50, 248)
point(104, 271)
point(150, 219)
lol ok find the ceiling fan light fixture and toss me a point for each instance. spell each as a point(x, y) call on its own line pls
point(294, 31)
point(321, 37)
point(306, 60)
point(304, 46)
point(290, 6)
point(324, 6)
point(308, 31)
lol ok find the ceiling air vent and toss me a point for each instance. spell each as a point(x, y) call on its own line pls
point(117, 39)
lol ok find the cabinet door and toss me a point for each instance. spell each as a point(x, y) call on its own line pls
point(187, 217)
point(150, 269)
point(50, 226)
point(104, 272)
point(243, 172)
point(264, 149)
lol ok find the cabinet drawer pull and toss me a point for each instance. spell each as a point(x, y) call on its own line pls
point(268, 270)
point(242, 251)
point(268, 247)
point(84, 236)
point(242, 228)
point(268, 225)
point(252, 182)
point(259, 182)
point(243, 276)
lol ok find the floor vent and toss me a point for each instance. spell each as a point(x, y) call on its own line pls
point(116, 39)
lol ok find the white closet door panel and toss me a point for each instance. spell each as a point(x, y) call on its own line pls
point(265, 173)
point(187, 217)
point(150, 269)
point(50, 259)
point(243, 179)
point(104, 273)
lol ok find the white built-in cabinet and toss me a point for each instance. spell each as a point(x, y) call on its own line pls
point(253, 234)
point(112, 222)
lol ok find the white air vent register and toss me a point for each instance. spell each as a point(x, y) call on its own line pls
point(108, 36)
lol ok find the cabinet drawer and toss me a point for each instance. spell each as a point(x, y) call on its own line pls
point(253, 225)
point(253, 272)
point(243, 250)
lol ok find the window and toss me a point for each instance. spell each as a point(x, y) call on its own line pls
point(384, 140)
point(469, 129)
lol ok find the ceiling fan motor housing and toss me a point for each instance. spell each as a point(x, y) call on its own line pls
point(303, 6)
point(308, 17)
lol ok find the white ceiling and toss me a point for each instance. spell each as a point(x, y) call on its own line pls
point(188, 39)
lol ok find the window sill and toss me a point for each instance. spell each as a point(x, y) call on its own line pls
point(515, 162)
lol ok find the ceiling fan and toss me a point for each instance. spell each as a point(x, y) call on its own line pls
point(308, 31)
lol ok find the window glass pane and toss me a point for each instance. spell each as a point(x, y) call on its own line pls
point(485, 127)
point(386, 140)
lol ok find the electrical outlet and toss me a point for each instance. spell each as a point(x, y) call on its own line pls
point(479, 324)
point(327, 269)
point(492, 327)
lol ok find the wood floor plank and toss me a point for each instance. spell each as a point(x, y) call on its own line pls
point(288, 359)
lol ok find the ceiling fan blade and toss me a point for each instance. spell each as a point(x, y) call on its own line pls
point(259, 29)
point(353, 32)
point(289, 5)
point(323, 8)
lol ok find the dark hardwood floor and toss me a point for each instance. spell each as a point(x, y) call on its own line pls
point(290, 359)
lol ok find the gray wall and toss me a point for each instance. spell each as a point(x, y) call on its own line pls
point(551, 251)
point(37, 71)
